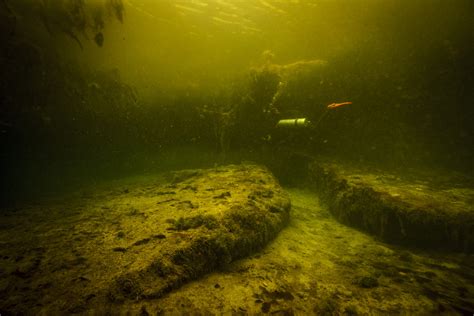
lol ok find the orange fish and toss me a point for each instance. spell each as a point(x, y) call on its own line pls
point(336, 105)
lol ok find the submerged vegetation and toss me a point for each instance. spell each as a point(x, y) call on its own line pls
point(78, 18)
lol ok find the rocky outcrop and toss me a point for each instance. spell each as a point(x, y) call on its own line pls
point(413, 212)
point(212, 218)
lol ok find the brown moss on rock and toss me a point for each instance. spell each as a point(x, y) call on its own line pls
point(185, 223)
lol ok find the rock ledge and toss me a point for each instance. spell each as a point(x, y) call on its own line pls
point(409, 212)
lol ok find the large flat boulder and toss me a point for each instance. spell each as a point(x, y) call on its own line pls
point(429, 210)
point(212, 217)
point(135, 240)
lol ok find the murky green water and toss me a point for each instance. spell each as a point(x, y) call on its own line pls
point(100, 90)
point(96, 89)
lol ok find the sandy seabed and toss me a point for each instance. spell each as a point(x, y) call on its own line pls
point(314, 266)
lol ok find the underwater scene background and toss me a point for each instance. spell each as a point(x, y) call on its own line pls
point(93, 88)
point(107, 105)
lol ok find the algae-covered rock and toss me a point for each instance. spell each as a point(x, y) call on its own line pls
point(135, 239)
point(413, 211)
point(229, 213)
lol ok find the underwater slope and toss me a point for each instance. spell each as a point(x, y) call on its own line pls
point(135, 241)
point(433, 211)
